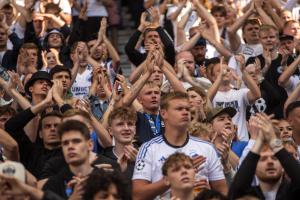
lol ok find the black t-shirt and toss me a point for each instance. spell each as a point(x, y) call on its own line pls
point(144, 132)
point(58, 183)
point(108, 152)
point(272, 76)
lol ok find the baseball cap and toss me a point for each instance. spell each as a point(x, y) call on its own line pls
point(15, 169)
point(284, 37)
point(39, 75)
point(218, 111)
point(201, 42)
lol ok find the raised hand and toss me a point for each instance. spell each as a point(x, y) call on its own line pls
point(240, 58)
point(130, 152)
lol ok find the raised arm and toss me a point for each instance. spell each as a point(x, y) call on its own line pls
point(10, 146)
point(254, 91)
point(263, 15)
point(136, 88)
point(234, 39)
point(210, 20)
point(294, 96)
point(283, 79)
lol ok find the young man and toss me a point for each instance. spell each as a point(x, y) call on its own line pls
point(268, 160)
point(271, 63)
point(43, 145)
point(121, 123)
point(179, 173)
point(148, 181)
point(76, 146)
point(226, 96)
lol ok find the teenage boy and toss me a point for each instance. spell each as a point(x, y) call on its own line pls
point(179, 173)
point(122, 127)
point(148, 181)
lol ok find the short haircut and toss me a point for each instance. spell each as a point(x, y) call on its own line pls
point(58, 69)
point(150, 84)
point(100, 180)
point(73, 112)
point(218, 9)
point(175, 159)
point(253, 21)
point(7, 110)
point(49, 114)
point(171, 96)
point(123, 113)
point(267, 28)
point(30, 45)
point(149, 29)
point(292, 106)
point(210, 194)
point(7, 7)
point(198, 90)
point(74, 125)
point(288, 23)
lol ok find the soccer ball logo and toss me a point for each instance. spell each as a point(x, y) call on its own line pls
point(140, 164)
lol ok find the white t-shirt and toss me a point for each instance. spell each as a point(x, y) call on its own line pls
point(95, 9)
point(237, 99)
point(81, 86)
point(248, 51)
point(153, 154)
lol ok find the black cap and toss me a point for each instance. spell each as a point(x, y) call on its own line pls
point(40, 75)
point(292, 106)
point(59, 68)
point(201, 42)
point(219, 110)
point(284, 37)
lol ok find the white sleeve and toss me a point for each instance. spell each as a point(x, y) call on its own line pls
point(246, 150)
point(143, 164)
point(290, 4)
point(243, 94)
point(215, 168)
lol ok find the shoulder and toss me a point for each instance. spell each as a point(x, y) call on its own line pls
point(147, 146)
point(198, 141)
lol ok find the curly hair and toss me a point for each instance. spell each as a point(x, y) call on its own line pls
point(100, 180)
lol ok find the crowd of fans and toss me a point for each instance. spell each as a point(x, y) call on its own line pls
point(210, 110)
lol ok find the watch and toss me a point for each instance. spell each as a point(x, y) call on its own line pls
point(275, 144)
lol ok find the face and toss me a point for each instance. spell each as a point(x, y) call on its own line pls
point(51, 59)
point(253, 72)
point(285, 129)
point(55, 40)
point(289, 45)
point(75, 148)
point(222, 121)
point(110, 194)
point(123, 130)
point(293, 29)
point(250, 33)
point(227, 77)
point(286, 16)
point(3, 119)
point(157, 76)
point(189, 61)
point(9, 14)
point(40, 87)
point(199, 53)
point(268, 39)
point(181, 177)
point(195, 99)
point(33, 56)
point(38, 25)
point(99, 50)
point(177, 114)
point(294, 120)
point(152, 36)
point(268, 168)
point(64, 77)
point(149, 97)
point(49, 130)
point(3, 38)
point(220, 19)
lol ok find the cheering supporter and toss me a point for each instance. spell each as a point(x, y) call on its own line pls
point(171, 99)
